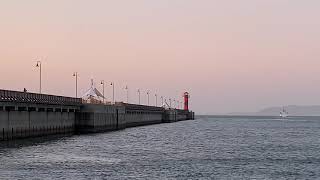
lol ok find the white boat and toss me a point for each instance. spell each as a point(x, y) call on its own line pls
point(284, 113)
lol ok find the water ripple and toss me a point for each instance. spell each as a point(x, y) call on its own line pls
point(210, 148)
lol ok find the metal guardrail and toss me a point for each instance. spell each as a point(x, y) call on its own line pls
point(25, 97)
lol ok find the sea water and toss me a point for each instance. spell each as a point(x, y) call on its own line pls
point(206, 148)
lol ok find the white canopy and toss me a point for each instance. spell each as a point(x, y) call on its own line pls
point(93, 94)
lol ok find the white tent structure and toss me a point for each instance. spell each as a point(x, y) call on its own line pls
point(93, 95)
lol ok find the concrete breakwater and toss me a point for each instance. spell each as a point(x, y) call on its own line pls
point(32, 115)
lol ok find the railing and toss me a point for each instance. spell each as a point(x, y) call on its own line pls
point(24, 97)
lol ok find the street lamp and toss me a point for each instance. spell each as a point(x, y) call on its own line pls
point(127, 89)
point(75, 74)
point(103, 83)
point(161, 100)
point(156, 99)
point(148, 93)
point(112, 84)
point(39, 66)
point(139, 93)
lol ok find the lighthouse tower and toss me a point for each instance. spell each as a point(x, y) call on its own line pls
point(186, 101)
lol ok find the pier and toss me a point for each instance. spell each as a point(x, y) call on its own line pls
point(24, 115)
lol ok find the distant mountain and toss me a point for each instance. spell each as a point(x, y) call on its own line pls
point(293, 110)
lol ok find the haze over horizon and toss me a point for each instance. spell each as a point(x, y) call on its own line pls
point(232, 56)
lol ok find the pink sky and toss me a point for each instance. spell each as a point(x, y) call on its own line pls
point(231, 55)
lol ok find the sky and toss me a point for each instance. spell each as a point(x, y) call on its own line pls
point(230, 55)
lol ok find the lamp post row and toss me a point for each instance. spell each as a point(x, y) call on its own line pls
point(76, 75)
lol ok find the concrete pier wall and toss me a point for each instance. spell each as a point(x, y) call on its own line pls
point(140, 119)
point(29, 115)
point(25, 114)
point(100, 118)
point(139, 115)
point(174, 115)
point(22, 121)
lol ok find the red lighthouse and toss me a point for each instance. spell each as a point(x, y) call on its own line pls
point(186, 101)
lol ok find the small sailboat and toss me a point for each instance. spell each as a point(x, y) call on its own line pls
point(284, 113)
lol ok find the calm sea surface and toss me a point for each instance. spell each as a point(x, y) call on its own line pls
point(208, 148)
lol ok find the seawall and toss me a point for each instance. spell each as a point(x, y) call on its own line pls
point(25, 115)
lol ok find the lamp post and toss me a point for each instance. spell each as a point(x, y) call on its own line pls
point(139, 93)
point(161, 100)
point(103, 83)
point(75, 74)
point(39, 66)
point(156, 99)
point(112, 84)
point(148, 93)
point(127, 89)
point(170, 102)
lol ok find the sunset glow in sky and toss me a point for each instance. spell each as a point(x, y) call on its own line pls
point(230, 55)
